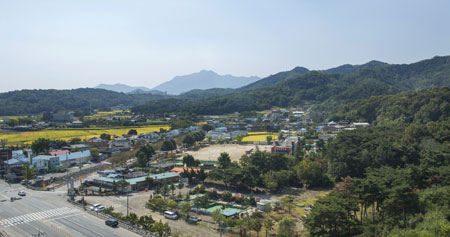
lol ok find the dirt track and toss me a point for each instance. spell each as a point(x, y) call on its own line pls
point(235, 151)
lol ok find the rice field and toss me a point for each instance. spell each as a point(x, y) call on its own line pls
point(67, 134)
point(259, 136)
point(11, 117)
point(108, 114)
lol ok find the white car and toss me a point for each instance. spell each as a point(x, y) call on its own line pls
point(22, 193)
point(170, 215)
point(94, 206)
point(99, 208)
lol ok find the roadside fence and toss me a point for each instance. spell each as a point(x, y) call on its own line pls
point(122, 224)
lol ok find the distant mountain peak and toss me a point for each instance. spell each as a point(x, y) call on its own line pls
point(207, 71)
point(204, 79)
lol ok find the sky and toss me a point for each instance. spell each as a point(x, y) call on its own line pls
point(64, 44)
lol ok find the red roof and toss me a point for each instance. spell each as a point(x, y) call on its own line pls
point(239, 195)
point(58, 152)
point(181, 169)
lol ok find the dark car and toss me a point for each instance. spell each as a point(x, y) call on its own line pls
point(112, 222)
point(192, 220)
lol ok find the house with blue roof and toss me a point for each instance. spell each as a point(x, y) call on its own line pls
point(73, 157)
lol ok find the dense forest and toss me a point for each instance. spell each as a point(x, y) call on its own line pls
point(37, 101)
point(417, 106)
point(393, 180)
point(25, 102)
point(324, 90)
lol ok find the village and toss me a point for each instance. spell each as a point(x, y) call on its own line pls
point(174, 174)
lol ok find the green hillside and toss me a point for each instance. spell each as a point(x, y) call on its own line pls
point(325, 91)
point(36, 101)
point(423, 106)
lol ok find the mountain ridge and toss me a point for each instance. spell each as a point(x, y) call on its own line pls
point(325, 91)
point(205, 79)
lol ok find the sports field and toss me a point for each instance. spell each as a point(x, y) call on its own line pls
point(67, 134)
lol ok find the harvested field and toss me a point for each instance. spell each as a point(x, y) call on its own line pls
point(234, 150)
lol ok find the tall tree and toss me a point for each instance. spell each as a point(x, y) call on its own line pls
point(40, 146)
point(224, 160)
point(268, 225)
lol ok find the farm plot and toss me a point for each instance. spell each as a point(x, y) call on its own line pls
point(67, 134)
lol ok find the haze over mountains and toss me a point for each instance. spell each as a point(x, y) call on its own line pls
point(207, 79)
point(118, 87)
point(203, 80)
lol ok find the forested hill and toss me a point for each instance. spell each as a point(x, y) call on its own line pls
point(274, 79)
point(326, 91)
point(349, 69)
point(36, 101)
point(430, 105)
point(393, 175)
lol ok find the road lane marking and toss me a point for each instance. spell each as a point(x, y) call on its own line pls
point(84, 227)
point(30, 217)
point(63, 217)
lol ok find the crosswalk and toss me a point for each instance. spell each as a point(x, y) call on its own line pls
point(34, 216)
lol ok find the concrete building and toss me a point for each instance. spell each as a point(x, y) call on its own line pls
point(121, 143)
point(45, 163)
point(140, 183)
point(71, 158)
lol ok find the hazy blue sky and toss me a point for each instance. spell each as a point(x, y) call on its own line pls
point(70, 44)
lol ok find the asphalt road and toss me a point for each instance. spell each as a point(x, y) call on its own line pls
point(49, 213)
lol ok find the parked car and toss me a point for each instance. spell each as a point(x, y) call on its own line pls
point(23, 182)
point(99, 208)
point(94, 206)
point(170, 215)
point(192, 220)
point(112, 222)
point(22, 193)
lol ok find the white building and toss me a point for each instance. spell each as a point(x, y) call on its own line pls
point(121, 143)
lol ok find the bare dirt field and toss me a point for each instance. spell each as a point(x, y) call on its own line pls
point(234, 150)
point(136, 204)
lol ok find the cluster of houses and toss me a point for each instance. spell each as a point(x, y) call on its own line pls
point(12, 161)
point(333, 126)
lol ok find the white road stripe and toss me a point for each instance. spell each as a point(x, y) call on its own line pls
point(17, 220)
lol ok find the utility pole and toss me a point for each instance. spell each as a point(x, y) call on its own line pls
point(127, 201)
